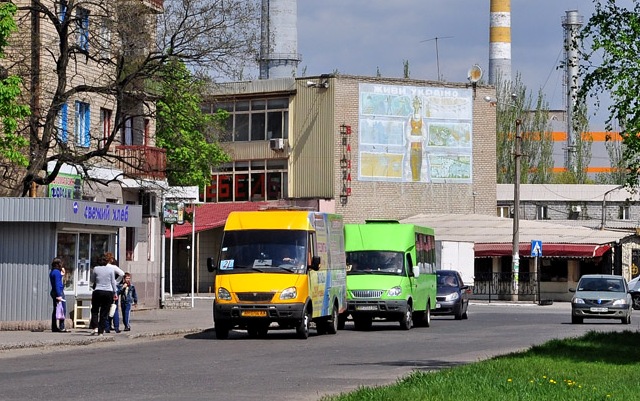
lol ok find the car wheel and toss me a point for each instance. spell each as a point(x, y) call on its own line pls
point(576, 320)
point(407, 318)
point(636, 303)
point(302, 330)
point(458, 312)
point(222, 330)
point(626, 319)
point(465, 315)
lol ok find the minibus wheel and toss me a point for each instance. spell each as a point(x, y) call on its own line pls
point(302, 330)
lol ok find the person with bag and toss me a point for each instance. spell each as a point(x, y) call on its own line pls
point(57, 295)
point(114, 318)
point(105, 291)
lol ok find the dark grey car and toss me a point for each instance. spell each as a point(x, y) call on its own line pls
point(601, 296)
point(453, 295)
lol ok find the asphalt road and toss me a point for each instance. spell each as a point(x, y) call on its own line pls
point(199, 367)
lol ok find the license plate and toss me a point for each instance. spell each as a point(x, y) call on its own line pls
point(438, 306)
point(367, 307)
point(254, 313)
point(599, 310)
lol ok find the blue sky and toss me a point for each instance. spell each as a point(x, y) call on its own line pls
point(357, 37)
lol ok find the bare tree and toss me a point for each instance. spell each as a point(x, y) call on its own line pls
point(89, 68)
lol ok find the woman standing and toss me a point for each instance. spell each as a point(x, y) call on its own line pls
point(57, 295)
point(105, 291)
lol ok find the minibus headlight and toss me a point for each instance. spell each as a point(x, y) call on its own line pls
point(289, 293)
point(394, 292)
point(224, 294)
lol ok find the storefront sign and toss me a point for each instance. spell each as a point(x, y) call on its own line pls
point(66, 186)
point(345, 163)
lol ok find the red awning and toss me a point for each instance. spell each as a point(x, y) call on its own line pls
point(212, 215)
point(548, 250)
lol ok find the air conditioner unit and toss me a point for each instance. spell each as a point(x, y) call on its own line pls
point(276, 144)
point(149, 204)
point(576, 209)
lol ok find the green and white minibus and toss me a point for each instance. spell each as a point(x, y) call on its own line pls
point(390, 273)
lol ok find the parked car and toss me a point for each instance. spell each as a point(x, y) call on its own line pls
point(453, 295)
point(601, 296)
point(634, 290)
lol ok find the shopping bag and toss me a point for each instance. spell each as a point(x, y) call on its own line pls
point(60, 311)
point(112, 309)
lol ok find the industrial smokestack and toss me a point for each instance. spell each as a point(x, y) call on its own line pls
point(572, 23)
point(279, 56)
point(500, 41)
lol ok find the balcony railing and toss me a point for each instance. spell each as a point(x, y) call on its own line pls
point(142, 161)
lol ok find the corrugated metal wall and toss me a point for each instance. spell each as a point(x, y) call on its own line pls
point(311, 161)
point(26, 251)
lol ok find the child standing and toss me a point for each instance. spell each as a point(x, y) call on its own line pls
point(128, 297)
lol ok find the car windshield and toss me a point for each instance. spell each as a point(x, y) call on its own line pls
point(601, 284)
point(259, 251)
point(375, 262)
point(447, 279)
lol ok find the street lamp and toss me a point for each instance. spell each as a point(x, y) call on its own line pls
point(517, 153)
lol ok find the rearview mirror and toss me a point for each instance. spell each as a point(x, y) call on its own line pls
point(211, 264)
point(315, 263)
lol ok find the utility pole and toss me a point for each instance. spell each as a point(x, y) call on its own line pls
point(516, 213)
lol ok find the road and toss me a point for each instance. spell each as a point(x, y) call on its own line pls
point(199, 367)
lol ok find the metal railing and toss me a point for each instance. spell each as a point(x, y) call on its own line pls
point(502, 284)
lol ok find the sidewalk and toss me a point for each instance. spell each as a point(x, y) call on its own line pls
point(144, 323)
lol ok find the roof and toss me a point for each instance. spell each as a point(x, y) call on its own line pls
point(213, 215)
point(481, 229)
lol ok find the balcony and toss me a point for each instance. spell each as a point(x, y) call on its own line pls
point(137, 161)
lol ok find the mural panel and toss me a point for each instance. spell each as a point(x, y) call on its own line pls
point(415, 134)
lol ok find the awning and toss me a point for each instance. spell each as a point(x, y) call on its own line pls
point(548, 250)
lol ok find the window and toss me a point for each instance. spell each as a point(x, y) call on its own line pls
point(242, 181)
point(83, 28)
point(131, 242)
point(503, 211)
point(105, 39)
point(624, 212)
point(82, 124)
point(105, 123)
point(255, 120)
point(541, 212)
point(127, 131)
point(62, 123)
point(62, 11)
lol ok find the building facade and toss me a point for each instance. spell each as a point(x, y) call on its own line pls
point(73, 116)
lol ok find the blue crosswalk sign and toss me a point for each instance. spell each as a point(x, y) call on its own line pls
point(536, 248)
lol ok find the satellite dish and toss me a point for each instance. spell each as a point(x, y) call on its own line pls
point(475, 74)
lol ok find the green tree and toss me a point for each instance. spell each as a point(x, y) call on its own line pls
point(185, 131)
point(610, 66)
point(514, 103)
point(13, 147)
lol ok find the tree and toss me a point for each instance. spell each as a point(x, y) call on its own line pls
point(182, 128)
point(514, 103)
point(610, 53)
point(12, 112)
point(98, 51)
